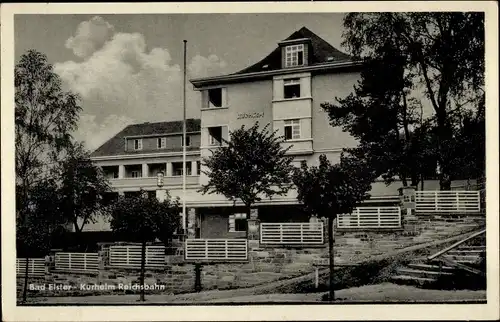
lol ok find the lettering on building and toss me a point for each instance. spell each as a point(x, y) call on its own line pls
point(254, 115)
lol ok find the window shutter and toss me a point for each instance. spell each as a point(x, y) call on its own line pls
point(225, 133)
point(204, 99)
point(139, 144)
point(224, 97)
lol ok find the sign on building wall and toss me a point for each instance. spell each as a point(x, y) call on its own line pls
point(255, 115)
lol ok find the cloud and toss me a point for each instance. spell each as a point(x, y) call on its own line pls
point(119, 77)
point(90, 36)
point(203, 67)
point(94, 134)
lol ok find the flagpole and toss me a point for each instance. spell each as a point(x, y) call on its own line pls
point(184, 146)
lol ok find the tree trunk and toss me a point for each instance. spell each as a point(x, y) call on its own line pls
point(248, 210)
point(143, 267)
point(331, 259)
point(25, 288)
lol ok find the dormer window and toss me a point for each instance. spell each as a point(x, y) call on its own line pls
point(138, 144)
point(294, 55)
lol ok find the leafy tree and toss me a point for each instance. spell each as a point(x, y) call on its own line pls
point(82, 187)
point(385, 121)
point(45, 115)
point(250, 165)
point(143, 220)
point(329, 190)
point(35, 227)
point(441, 58)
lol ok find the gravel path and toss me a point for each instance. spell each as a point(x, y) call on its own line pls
point(386, 292)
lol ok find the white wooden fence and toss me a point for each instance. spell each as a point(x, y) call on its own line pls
point(216, 249)
point(129, 256)
point(77, 262)
point(291, 233)
point(447, 202)
point(371, 217)
point(36, 266)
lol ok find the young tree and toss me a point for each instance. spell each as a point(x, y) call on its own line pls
point(35, 227)
point(143, 220)
point(82, 187)
point(250, 165)
point(329, 190)
point(442, 58)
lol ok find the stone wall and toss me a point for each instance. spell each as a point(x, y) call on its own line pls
point(265, 264)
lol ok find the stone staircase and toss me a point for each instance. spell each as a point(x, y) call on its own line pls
point(450, 267)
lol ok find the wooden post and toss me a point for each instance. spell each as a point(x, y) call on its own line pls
point(316, 278)
point(197, 277)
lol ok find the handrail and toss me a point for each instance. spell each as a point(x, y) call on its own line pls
point(455, 245)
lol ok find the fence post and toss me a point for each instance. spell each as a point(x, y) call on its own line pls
point(378, 217)
point(69, 260)
point(206, 249)
point(301, 233)
point(358, 217)
point(457, 201)
point(281, 233)
point(227, 250)
point(436, 200)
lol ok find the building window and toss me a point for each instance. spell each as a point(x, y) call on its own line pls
point(188, 140)
point(292, 129)
point(161, 143)
point(291, 88)
point(237, 222)
point(177, 169)
point(198, 167)
point(136, 174)
point(138, 144)
point(215, 135)
point(294, 55)
point(215, 97)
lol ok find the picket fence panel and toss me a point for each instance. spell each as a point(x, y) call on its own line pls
point(129, 256)
point(447, 202)
point(77, 262)
point(216, 249)
point(292, 233)
point(36, 266)
point(371, 217)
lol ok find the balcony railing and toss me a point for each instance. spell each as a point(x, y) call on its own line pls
point(152, 181)
point(447, 202)
point(292, 233)
point(77, 262)
point(371, 217)
point(36, 266)
point(216, 249)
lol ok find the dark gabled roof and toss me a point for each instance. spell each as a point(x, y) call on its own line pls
point(116, 145)
point(321, 52)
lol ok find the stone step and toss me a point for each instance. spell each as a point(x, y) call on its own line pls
point(412, 280)
point(430, 267)
point(466, 258)
point(477, 247)
point(421, 273)
point(474, 252)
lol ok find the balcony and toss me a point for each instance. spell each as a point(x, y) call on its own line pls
point(145, 182)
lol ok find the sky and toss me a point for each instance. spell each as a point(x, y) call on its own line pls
point(128, 68)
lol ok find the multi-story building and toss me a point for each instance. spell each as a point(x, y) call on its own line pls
point(285, 89)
